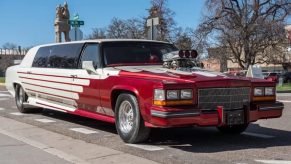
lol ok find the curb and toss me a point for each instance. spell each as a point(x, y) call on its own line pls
point(286, 91)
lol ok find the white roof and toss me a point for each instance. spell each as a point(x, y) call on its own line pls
point(102, 40)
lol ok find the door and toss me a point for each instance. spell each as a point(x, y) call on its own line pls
point(89, 98)
point(51, 77)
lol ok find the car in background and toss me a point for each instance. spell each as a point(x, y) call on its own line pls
point(287, 77)
point(273, 76)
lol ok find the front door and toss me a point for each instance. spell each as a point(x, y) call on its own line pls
point(89, 98)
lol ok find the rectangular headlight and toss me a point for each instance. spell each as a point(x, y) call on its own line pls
point(269, 91)
point(186, 94)
point(159, 94)
point(172, 94)
point(259, 91)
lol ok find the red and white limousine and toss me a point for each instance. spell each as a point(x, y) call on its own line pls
point(138, 85)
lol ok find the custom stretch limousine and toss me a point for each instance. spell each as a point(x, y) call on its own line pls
point(138, 85)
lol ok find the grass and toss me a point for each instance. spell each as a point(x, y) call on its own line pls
point(2, 79)
point(284, 87)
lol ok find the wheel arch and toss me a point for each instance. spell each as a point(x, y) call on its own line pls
point(117, 90)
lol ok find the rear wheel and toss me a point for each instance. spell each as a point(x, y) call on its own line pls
point(235, 129)
point(21, 98)
point(129, 123)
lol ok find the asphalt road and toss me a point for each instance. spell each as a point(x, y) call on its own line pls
point(265, 141)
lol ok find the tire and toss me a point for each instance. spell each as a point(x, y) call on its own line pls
point(128, 121)
point(21, 98)
point(235, 130)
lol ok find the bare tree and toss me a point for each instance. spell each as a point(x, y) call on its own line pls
point(135, 28)
point(247, 28)
point(167, 24)
point(181, 39)
point(9, 45)
point(117, 29)
point(97, 33)
point(131, 28)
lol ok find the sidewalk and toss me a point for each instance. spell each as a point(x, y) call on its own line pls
point(37, 145)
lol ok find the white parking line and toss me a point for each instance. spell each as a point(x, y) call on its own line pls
point(2, 109)
point(45, 120)
point(4, 95)
point(258, 135)
point(83, 130)
point(146, 147)
point(4, 99)
point(274, 161)
point(285, 101)
point(17, 114)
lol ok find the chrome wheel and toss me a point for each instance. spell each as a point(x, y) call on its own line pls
point(126, 116)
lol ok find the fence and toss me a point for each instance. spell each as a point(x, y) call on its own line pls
point(12, 51)
point(7, 57)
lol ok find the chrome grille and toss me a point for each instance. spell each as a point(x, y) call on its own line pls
point(229, 98)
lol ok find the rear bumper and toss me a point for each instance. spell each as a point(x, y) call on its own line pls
point(192, 117)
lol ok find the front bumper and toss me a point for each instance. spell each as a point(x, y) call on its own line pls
point(197, 117)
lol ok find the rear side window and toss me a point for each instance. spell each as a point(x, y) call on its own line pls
point(41, 57)
point(58, 56)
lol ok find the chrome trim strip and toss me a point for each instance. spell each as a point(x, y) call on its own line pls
point(271, 108)
point(174, 114)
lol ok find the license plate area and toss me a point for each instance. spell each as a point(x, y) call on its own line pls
point(235, 117)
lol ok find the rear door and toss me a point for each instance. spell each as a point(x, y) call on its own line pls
point(51, 79)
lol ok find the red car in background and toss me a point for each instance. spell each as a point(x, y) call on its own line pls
point(273, 76)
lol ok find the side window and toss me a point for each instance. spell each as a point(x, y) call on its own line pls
point(41, 57)
point(64, 56)
point(91, 53)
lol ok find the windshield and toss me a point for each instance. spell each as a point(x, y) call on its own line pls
point(135, 53)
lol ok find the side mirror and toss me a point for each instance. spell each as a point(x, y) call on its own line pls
point(88, 66)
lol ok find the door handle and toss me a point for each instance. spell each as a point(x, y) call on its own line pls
point(74, 76)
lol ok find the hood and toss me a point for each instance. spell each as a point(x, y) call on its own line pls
point(202, 78)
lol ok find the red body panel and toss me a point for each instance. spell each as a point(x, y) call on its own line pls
point(100, 95)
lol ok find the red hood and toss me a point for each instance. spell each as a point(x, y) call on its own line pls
point(200, 78)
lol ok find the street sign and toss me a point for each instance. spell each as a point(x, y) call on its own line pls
point(76, 34)
point(76, 23)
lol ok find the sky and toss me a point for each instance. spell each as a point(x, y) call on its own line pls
point(30, 22)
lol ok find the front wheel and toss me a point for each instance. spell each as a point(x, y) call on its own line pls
point(235, 129)
point(129, 123)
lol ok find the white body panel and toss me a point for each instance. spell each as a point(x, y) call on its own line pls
point(57, 89)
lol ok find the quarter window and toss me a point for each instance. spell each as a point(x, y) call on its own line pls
point(41, 57)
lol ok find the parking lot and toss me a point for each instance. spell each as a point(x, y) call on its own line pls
point(265, 141)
